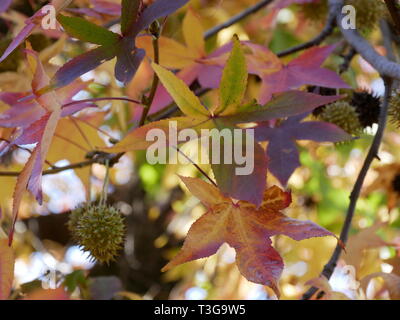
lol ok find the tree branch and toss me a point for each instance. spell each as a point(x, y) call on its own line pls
point(394, 12)
point(213, 31)
point(385, 67)
point(373, 151)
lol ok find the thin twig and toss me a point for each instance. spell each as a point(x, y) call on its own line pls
point(197, 167)
point(99, 158)
point(326, 32)
point(240, 16)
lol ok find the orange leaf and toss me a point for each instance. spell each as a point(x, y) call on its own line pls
point(6, 269)
point(244, 227)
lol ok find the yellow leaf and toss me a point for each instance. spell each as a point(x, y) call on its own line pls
point(184, 98)
point(193, 32)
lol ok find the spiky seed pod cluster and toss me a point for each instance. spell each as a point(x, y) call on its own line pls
point(323, 91)
point(394, 108)
point(368, 12)
point(367, 106)
point(342, 114)
point(98, 229)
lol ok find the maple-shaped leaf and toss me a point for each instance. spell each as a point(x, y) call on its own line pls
point(134, 19)
point(282, 150)
point(305, 69)
point(31, 24)
point(6, 268)
point(244, 227)
point(192, 60)
point(226, 115)
point(38, 120)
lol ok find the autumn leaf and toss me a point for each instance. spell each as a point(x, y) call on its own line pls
point(244, 227)
point(362, 241)
point(121, 46)
point(282, 150)
point(30, 25)
point(305, 69)
point(391, 283)
point(6, 268)
point(226, 115)
point(38, 120)
point(192, 60)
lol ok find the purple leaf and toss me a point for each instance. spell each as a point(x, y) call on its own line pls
point(24, 33)
point(210, 76)
point(129, 13)
point(319, 132)
point(287, 104)
point(35, 180)
point(128, 62)
point(243, 187)
point(4, 5)
point(158, 9)
point(82, 64)
point(282, 150)
point(283, 157)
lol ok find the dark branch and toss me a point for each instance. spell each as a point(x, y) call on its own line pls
point(373, 151)
point(383, 65)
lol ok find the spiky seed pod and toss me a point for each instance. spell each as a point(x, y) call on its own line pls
point(368, 108)
point(98, 229)
point(342, 114)
point(74, 218)
point(323, 91)
point(394, 108)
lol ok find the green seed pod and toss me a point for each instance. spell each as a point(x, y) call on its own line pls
point(98, 229)
point(344, 115)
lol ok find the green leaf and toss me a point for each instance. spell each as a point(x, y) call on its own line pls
point(234, 80)
point(180, 92)
point(86, 31)
point(129, 13)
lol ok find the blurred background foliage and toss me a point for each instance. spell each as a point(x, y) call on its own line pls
point(159, 210)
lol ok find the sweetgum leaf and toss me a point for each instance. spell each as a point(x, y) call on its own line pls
point(234, 80)
point(87, 31)
point(244, 227)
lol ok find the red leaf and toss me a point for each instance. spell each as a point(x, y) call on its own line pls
point(246, 229)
